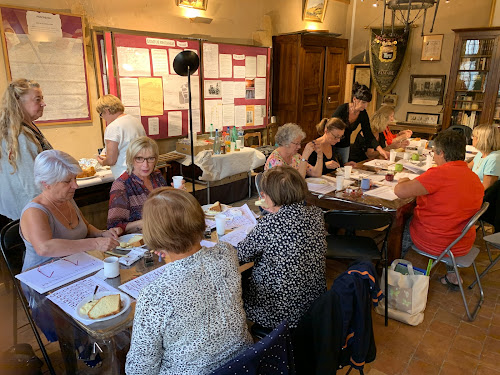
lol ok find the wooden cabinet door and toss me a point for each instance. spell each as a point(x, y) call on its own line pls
point(334, 80)
point(312, 65)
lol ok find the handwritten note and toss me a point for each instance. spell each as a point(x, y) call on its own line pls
point(134, 287)
point(53, 275)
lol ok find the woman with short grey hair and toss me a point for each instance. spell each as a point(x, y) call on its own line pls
point(289, 138)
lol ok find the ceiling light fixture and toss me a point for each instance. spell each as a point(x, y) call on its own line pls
point(402, 9)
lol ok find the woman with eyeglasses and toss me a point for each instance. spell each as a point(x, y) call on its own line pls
point(289, 138)
point(331, 131)
point(363, 149)
point(121, 129)
point(354, 114)
point(130, 190)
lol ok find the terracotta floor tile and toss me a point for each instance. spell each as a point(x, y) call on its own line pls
point(442, 328)
point(468, 345)
point(386, 362)
point(418, 367)
point(449, 368)
point(374, 372)
point(497, 308)
point(433, 348)
point(483, 370)
point(481, 322)
point(469, 330)
point(489, 359)
point(448, 317)
point(486, 311)
point(494, 331)
point(465, 360)
point(492, 345)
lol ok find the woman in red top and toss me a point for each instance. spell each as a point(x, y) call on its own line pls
point(385, 115)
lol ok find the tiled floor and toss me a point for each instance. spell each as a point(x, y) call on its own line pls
point(445, 343)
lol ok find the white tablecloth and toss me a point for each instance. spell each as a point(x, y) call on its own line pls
point(217, 167)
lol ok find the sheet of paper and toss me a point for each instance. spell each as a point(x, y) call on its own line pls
point(151, 95)
point(134, 287)
point(321, 189)
point(227, 92)
point(261, 65)
point(207, 243)
point(44, 26)
point(134, 111)
point(238, 57)
point(237, 235)
point(196, 120)
point(69, 297)
point(239, 217)
point(239, 71)
point(239, 89)
point(153, 126)
point(213, 89)
point(249, 115)
point(225, 66)
point(174, 123)
point(133, 62)
point(60, 272)
point(172, 52)
point(160, 61)
point(383, 192)
point(133, 256)
point(228, 114)
point(213, 113)
point(260, 88)
point(210, 60)
point(240, 113)
point(176, 95)
point(379, 163)
point(210, 223)
point(129, 88)
point(250, 66)
point(259, 111)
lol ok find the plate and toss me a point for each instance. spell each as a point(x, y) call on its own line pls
point(123, 297)
point(126, 238)
point(86, 178)
point(213, 213)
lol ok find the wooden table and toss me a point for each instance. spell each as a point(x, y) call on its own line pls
point(431, 130)
point(400, 209)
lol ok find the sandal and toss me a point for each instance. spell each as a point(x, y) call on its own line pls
point(445, 281)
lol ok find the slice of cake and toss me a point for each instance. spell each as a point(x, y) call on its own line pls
point(106, 306)
point(216, 207)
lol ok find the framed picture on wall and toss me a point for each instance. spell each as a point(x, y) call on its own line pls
point(422, 118)
point(426, 89)
point(431, 47)
point(390, 99)
point(362, 75)
point(314, 10)
point(195, 4)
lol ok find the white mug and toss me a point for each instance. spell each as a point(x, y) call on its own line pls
point(407, 156)
point(420, 150)
point(340, 183)
point(111, 267)
point(177, 181)
point(423, 143)
point(220, 224)
point(347, 172)
point(393, 156)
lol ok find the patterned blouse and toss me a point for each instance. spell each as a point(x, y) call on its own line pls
point(288, 249)
point(275, 159)
point(191, 319)
point(127, 196)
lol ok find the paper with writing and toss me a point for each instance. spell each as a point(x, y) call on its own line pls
point(151, 96)
point(250, 66)
point(225, 66)
point(384, 192)
point(261, 65)
point(160, 61)
point(237, 235)
point(133, 62)
point(129, 88)
point(134, 287)
point(210, 60)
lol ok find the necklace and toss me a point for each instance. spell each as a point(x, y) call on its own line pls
point(58, 210)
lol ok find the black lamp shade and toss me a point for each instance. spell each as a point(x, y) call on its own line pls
point(184, 60)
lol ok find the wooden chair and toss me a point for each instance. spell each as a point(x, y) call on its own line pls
point(252, 135)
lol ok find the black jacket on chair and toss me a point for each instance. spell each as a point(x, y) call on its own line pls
point(337, 329)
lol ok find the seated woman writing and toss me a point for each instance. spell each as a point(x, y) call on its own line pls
point(190, 320)
point(52, 226)
point(288, 248)
point(288, 137)
point(362, 148)
point(130, 190)
point(331, 131)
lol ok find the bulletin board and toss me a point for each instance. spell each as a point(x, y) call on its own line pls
point(235, 85)
point(48, 47)
point(138, 68)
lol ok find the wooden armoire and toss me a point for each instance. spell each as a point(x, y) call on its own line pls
point(309, 71)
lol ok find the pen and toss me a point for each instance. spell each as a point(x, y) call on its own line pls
point(159, 258)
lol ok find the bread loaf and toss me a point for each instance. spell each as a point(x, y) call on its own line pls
point(106, 306)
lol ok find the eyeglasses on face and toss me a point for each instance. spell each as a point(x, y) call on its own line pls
point(339, 137)
point(140, 159)
point(295, 143)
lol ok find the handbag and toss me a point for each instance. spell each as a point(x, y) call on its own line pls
point(407, 294)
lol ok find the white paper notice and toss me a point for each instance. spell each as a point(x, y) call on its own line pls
point(174, 123)
point(171, 54)
point(228, 114)
point(134, 287)
point(213, 113)
point(261, 65)
point(196, 121)
point(210, 60)
point(175, 92)
point(227, 92)
point(250, 66)
point(384, 192)
point(160, 42)
point(182, 44)
point(133, 62)
point(129, 88)
point(240, 89)
point(213, 89)
point(237, 235)
point(160, 61)
point(260, 88)
point(239, 57)
point(240, 113)
point(239, 71)
point(225, 66)
point(260, 112)
point(153, 126)
point(44, 25)
point(134, 111)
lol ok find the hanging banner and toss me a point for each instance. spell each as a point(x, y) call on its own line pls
point(387, 53)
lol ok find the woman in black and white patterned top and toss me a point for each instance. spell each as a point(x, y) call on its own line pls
point(288, 247)
point(191, 319)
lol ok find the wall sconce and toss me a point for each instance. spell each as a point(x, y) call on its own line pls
point(200, 20)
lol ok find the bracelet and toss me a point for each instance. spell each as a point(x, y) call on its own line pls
point(303, 160)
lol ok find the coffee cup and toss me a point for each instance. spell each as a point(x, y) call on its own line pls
point(365, 183)
point(420, 150)
point(177, 181)
point(340, 183)
point(220, 224)
point(406, 156)
point(111, 267)
point(347, 172)
point(392, 156)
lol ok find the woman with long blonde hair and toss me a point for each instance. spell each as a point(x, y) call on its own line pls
point(20, 142)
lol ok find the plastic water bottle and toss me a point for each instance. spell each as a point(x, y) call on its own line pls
point(211, 131)
point(216, 143)
point(241, 136)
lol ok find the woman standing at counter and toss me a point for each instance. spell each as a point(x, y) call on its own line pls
point(354, 114)
point(20, 142)
point(121, 129)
